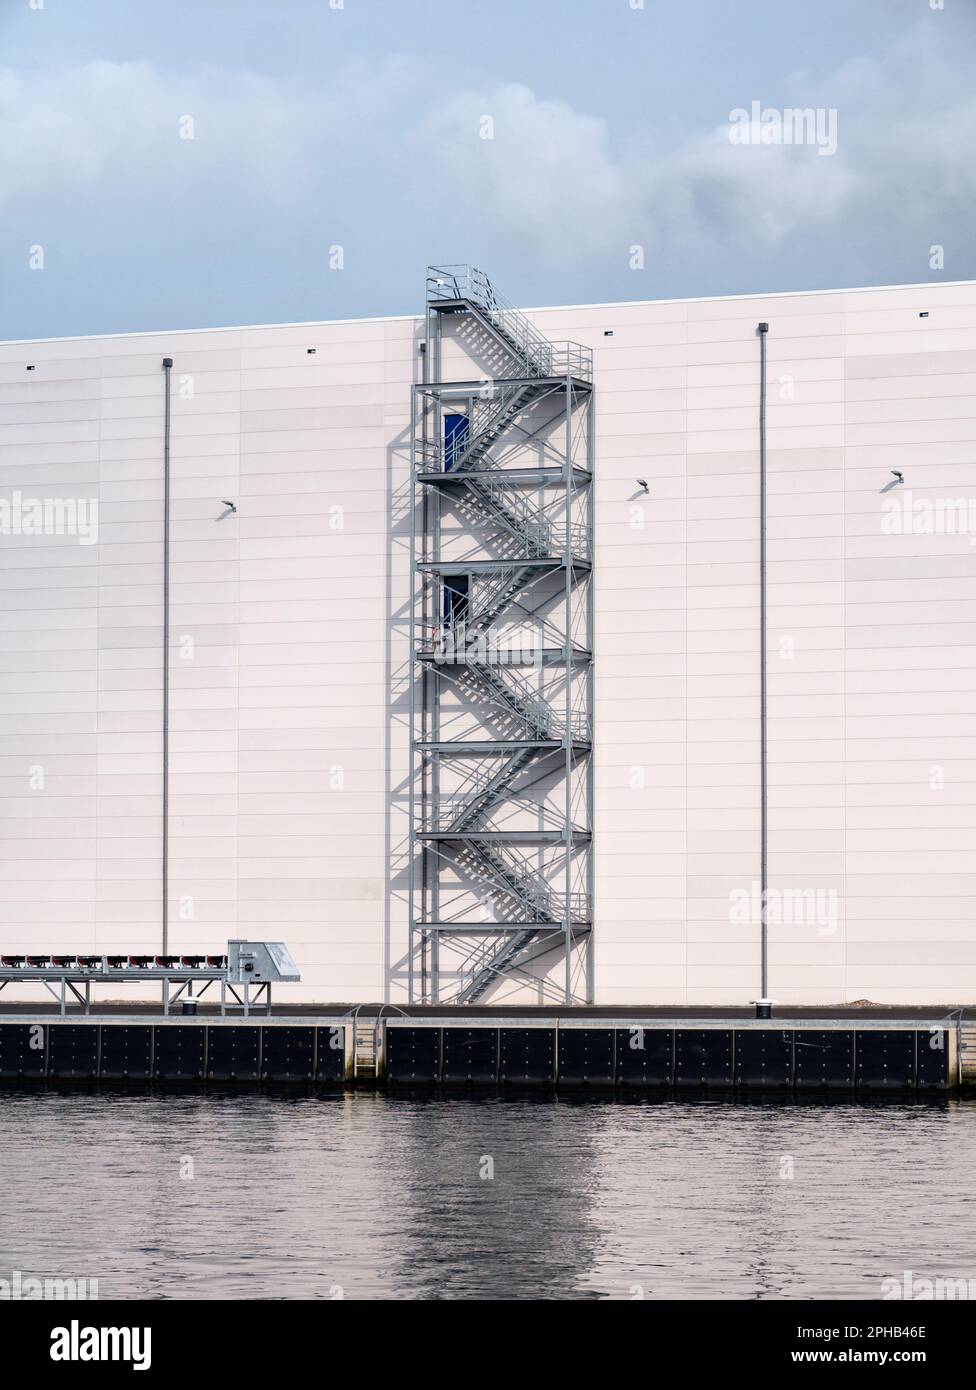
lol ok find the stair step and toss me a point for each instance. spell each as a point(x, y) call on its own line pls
point(364, 1050)
point(967, 1054)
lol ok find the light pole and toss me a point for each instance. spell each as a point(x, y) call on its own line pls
point(763, 1003)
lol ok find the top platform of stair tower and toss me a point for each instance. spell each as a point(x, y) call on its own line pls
point(455, 289)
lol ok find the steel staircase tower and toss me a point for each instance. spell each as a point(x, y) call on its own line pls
point(501, 685)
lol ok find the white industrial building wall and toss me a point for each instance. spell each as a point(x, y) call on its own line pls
point(871, 641)
point(288, 676)
point(289, 694)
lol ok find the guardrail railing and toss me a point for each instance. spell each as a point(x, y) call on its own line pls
point(540, 356)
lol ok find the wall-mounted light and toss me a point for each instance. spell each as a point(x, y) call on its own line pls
point(641, 482)
point(608, 333)
point(900, 477)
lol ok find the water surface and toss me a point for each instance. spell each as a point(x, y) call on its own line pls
point(379, 1195)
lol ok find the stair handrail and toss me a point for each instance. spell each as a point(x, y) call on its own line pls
point(513, 880)
point(467, 282)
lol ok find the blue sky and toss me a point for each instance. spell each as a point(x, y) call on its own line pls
point(361, 125)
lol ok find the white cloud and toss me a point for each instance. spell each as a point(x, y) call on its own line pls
point(113, 129)
point(546, 176)
point(390, 163)
point(552, 182)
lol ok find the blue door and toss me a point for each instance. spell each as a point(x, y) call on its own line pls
point(456, 429)
point(456, 589)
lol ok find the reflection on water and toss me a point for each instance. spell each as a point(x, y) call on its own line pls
point(373, 1195)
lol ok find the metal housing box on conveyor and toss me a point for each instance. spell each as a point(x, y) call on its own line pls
point(259, 962)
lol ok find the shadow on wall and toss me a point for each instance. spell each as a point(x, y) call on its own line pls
point(397, 657)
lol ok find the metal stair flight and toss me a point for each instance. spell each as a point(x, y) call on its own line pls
point(520, 521)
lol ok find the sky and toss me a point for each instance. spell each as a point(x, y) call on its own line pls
point(210, 162)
